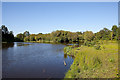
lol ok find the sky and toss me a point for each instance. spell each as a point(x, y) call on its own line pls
point(45, 17)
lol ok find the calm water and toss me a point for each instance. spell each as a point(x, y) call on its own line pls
point(34, 60)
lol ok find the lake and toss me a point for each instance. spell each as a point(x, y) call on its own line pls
point(34, 60)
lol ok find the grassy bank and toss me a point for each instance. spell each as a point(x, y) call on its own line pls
point(94, 62)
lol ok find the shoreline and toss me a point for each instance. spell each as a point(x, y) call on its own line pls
point(91, 63)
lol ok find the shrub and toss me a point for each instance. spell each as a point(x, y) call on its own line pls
point(67, 50)
point(96, 62)
point(97, 47)
point(88, 43)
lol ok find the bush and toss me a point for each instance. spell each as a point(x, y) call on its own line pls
point(98, 47)
point(88, 43)
point(97, 62)
point(67, 50)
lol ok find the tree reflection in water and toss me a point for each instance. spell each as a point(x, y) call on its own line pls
point(7, 45)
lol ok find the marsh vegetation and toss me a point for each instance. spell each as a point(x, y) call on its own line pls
point(94, 62)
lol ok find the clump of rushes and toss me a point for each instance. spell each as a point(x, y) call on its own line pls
point(97, 47)
point(69, 50)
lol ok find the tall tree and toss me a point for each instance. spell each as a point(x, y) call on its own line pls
point(20, 36)
point(6, 35)
point(115, 31)
point(88, 35)
point(26, 33)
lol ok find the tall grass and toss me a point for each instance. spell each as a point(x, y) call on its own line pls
point(92, 63)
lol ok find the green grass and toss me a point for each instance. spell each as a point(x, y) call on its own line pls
point(90, 62)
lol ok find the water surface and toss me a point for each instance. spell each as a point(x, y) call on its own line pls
point(34, 60)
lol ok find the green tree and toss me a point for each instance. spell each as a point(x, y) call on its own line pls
point(26, 38)
point(20, 36)
point(26, 33)
point(32, 37)
point(79, 33)
point(4, 29)
point(81, 37)
point(104, 34)
point(115, 31)
point(88, 35)
point(6, 35)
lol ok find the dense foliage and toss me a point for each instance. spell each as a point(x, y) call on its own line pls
point(61, 36)
point(7, 36)
point(67, 36)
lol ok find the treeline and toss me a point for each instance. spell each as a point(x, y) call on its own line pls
point(55, 36)
point(7, 36)
point(67, 36)
point(60, 36)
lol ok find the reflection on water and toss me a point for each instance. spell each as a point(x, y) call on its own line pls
point(7, 45)
point(34, 60)
point(21, 44)
point(65, 55)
